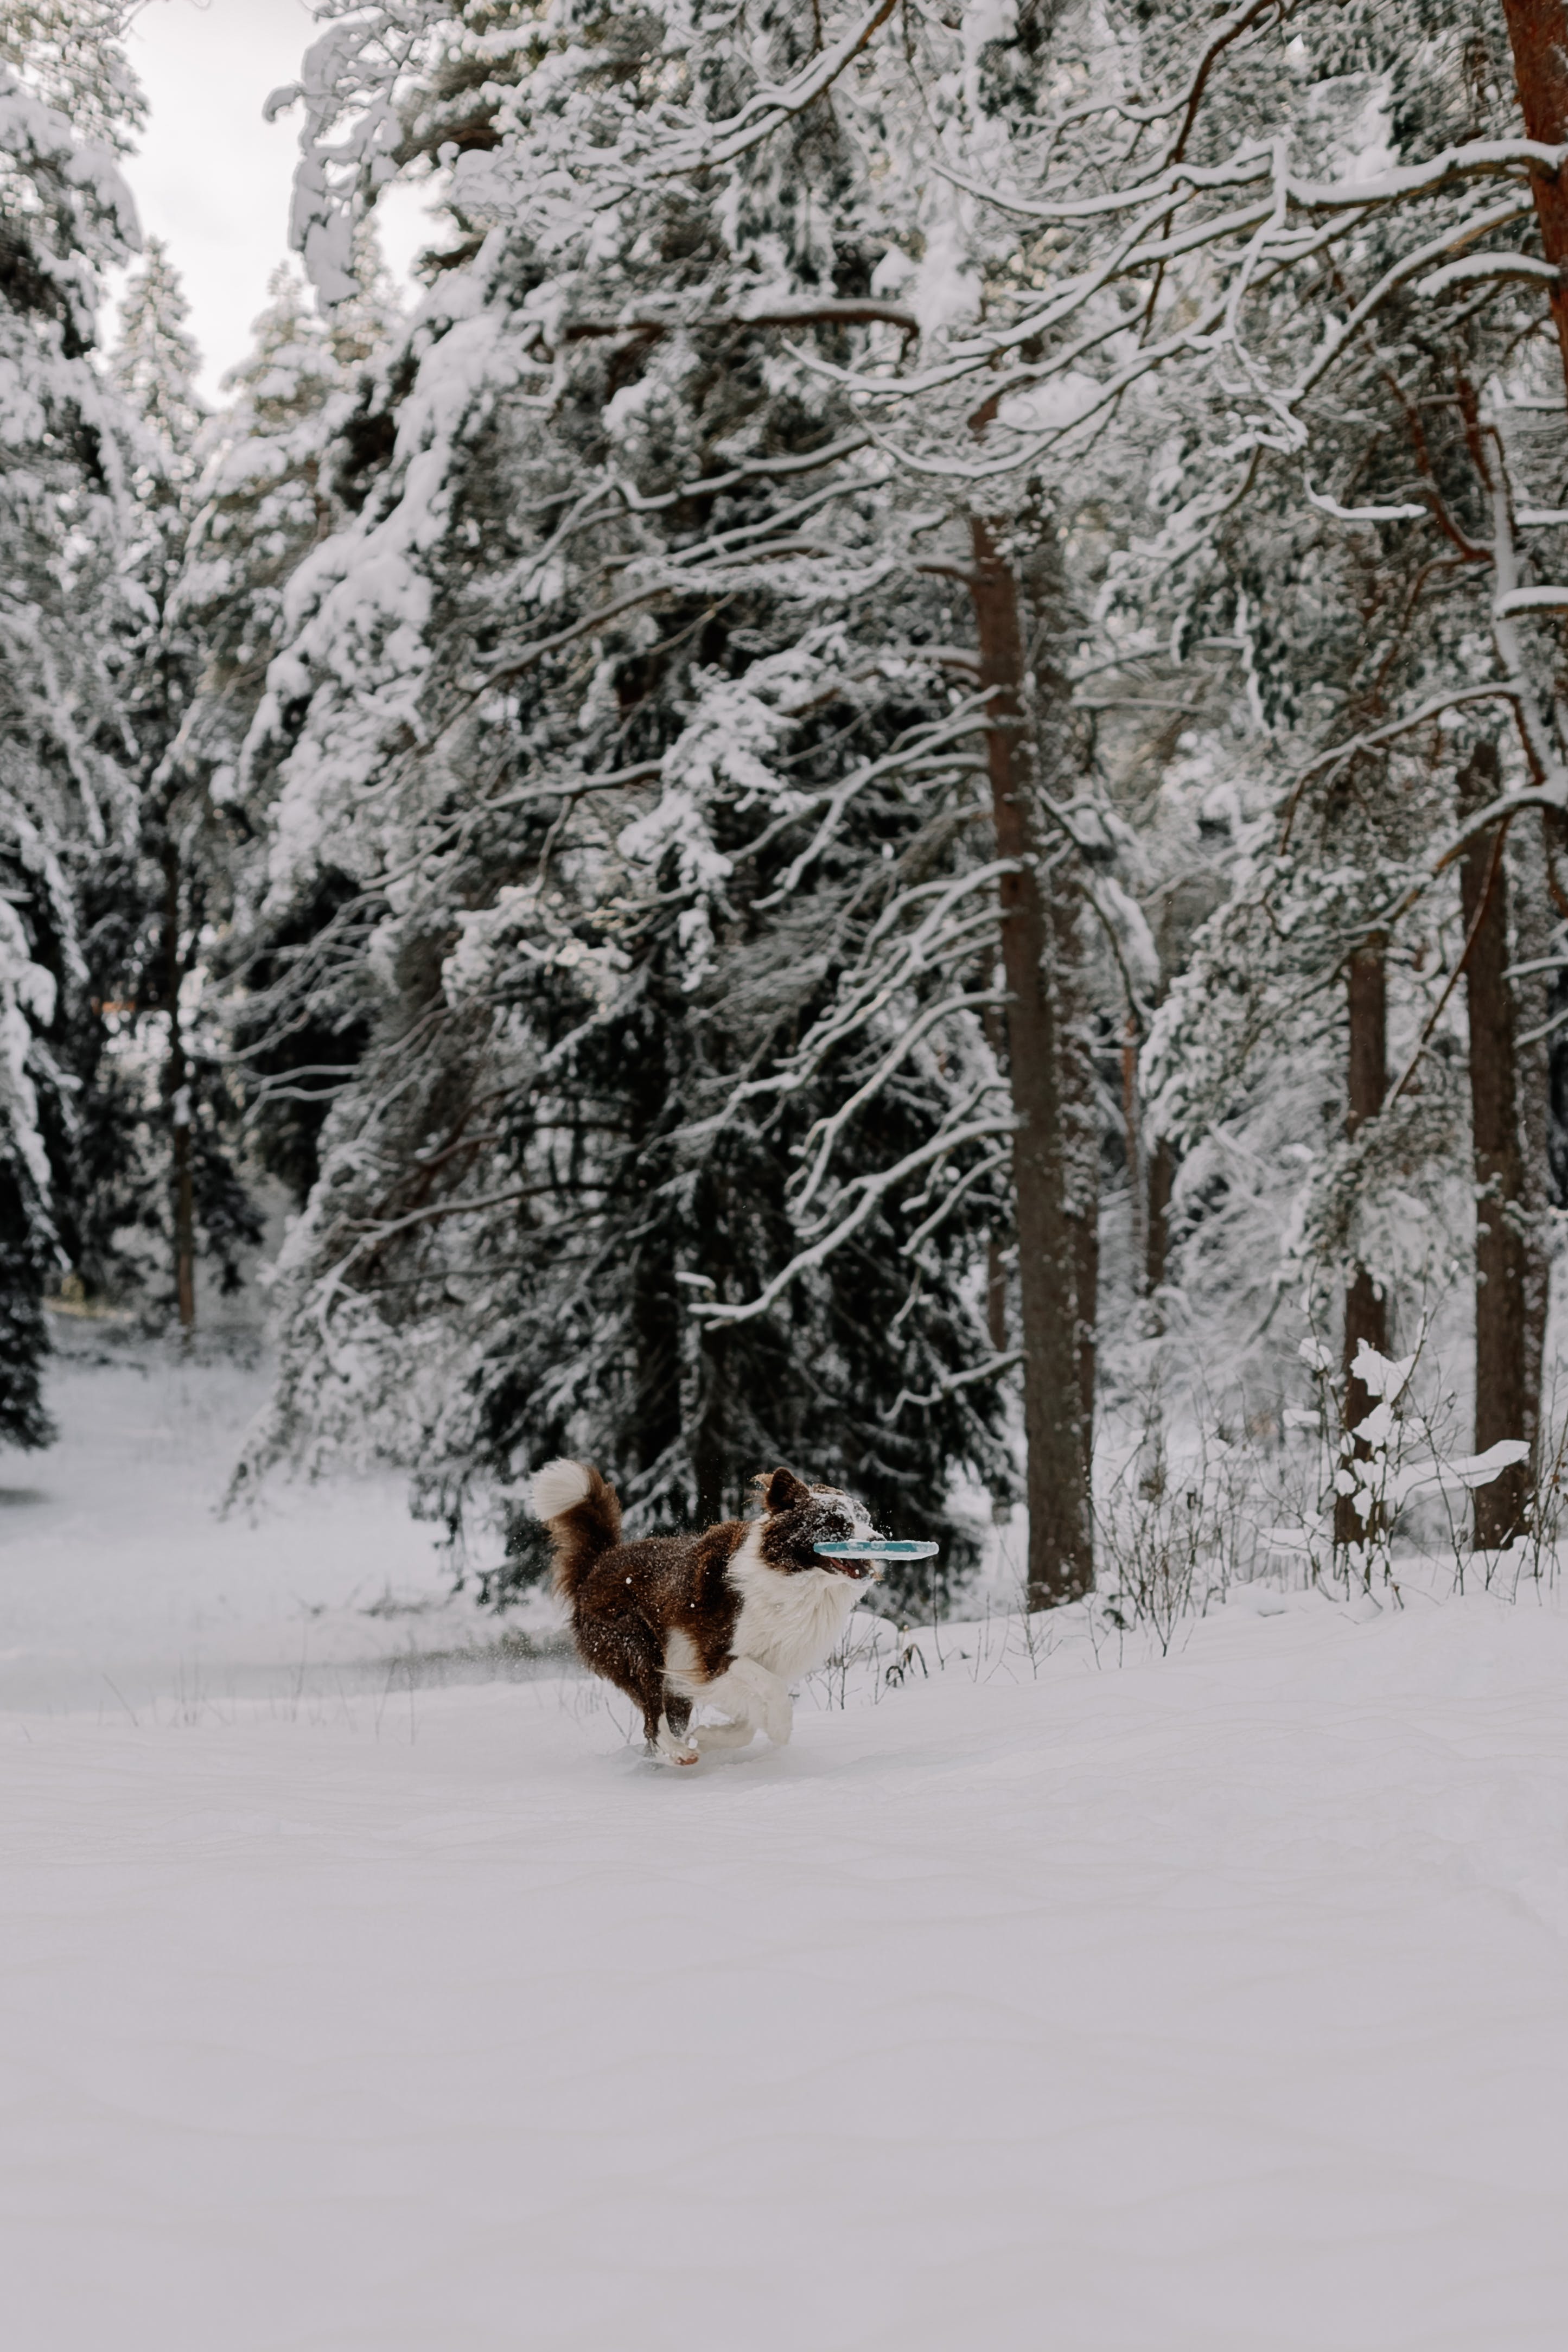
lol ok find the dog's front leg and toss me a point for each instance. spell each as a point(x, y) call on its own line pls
point(710, 1735)
point(734, 1696)
point(767, 1698)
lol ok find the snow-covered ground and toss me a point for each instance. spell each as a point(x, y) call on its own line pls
point(121, 1587)
point(1211, 2002)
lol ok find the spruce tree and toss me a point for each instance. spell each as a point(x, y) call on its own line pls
point(156, 1110)
point(66, 102)
point(624, 706)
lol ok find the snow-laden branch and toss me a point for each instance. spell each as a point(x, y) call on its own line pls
point(1480, 269)
point(751, 469)
point(865, 1192)
point(1254, 162)
point(1217, 324)
point(950, 1383)
point(1529, 600)
point(952, 1196)
point(762, 310)
point(1325, 505)
point(704, 148)
point(963, 722)
point(383, 1230)
point(1375, 738)
point(935, 944)
point(825, 1134)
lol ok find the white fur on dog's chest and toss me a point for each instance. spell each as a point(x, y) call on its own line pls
point(787, 1622)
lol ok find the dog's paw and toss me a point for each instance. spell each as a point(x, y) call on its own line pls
point(668, 1750)
point(779, 1720)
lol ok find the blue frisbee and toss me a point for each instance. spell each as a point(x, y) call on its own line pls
point(878, 1550)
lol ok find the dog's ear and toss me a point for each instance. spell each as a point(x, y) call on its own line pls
point(781, 1490)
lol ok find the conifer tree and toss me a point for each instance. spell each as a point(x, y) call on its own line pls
point(622, 704)
point(167, 1141)
point(156, 362)
point(66, 102)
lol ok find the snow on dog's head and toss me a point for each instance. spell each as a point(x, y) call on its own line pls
point(799, 1516)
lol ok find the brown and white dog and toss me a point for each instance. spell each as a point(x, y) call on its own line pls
point(728, 1618)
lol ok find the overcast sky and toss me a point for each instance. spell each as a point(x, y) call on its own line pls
point(212, 179)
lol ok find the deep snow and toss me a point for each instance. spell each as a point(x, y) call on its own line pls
point(1213, 2003)
point(120, 1586)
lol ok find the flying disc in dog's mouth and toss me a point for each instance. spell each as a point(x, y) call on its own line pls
point(866, 1560)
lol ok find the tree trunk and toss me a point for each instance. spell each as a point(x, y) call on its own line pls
point(1535, 935)
point(995, 1296)
point(710, 1451)
point(1538, 34)
point(1080, 1132)
point(1501, 1324)
point(1132, 1128)
point(1157, 1221)
point(1366, 1308)
point(1086, 1253)
point(177, 1094)
point(996, 1028)
point(1061, 1563)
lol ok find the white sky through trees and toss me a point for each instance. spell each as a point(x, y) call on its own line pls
point(211, 178)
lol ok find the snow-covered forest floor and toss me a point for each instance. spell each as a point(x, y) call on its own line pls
point(121, 1589)
point(1075, 1997)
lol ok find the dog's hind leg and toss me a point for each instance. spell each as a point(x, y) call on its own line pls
point(673, 1738)
point(627, 1655)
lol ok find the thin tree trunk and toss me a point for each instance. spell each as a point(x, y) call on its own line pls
point(996, 1028)
point(177, 1092)
point(1534, 931)
point(1060, 1564)
point(995, 1296)
point(1366, 1308)
point(1538, 34)
point(709, 1453)
point(1132, 1125)
point(1086, 1224)
point(1501, 1358)
point(1080, 1125)
point(1157, 1219)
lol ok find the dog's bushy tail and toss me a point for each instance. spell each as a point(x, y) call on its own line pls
point(583, 1512)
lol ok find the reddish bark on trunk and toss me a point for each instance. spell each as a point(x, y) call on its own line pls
point(1538, 35)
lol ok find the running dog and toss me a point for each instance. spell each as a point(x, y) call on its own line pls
point(729, 1617)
